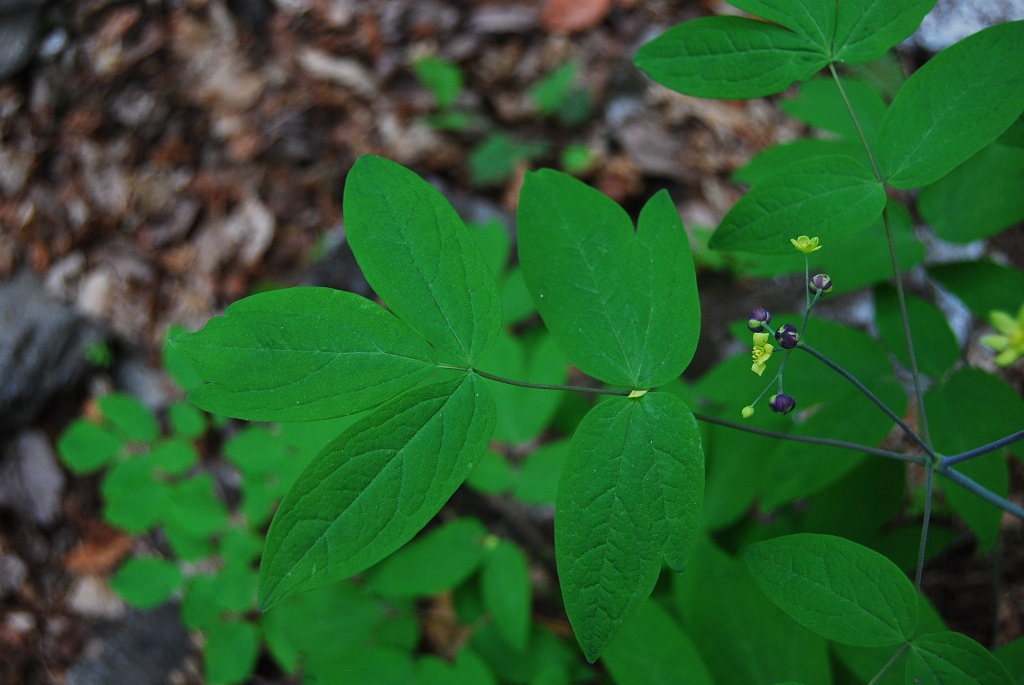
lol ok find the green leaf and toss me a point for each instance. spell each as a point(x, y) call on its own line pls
point(622, 304)
point(1011, 655)
point(492, 162)
point(813, 19)
point(652, 650)
point(438, 561)
point(979, 198)
point(540, 473)
point(130, 416)
point(507, 593)
point(200, 608)
point(86, 448)
point(146, 582)
point(829, 197)
point(769, 162)
point(186, 420)
point(302, 354)
point(970, 409)
point(729, 57)
point(133, 499)
point(953, 659)
point(837, 588)
point(442, 77)
point(196, 508)
point(866, 29)
point(553, 90)
point(1013, 136)
point(629, 498)
point(419, 257)
point(374, 487)
point(934, 343)
point(820, 105)
point(236, 587)
point(230, 652)
point(239, 546)
point(982, 285)
point(516, 303)
point(467, 669)
point(495, 244)
point(492, 475)
point(173, 456)
point(953, 106)
point(176, 364)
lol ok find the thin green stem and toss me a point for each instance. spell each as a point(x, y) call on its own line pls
point(856, 122)
point(984, 449)
point(889, 664)
point(929, 468)
point(980, 490)
point(870, 395)
point(807, 289)
point(544, 386)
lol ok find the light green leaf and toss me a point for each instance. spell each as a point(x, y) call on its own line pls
point(130, 416)
point(821, 106)
point(173, 456)
point(516, 303)
point(186, 420)
point(837, 588)
point(507, 593)
point(133, 499)
point(813, 19)
point(551, 92)
point(495, 244)
point(442, 77)
point(492, 474)
point(493, 160)
point(177, 366)
point(865, 29)
point(729, 57)
point(979, 198)
point(770, 161)
point(419, 257)
point(86, 447)
point(302, 354)
point(953, 659)
point(146, 582)
point(934, 343)
point(652, 650)
point(230, 652)
point(239, 546)
point(440, 560)
point(982, 285)
point(195, 507)
point(622, 304)
point(540, 473)
point(629, 498)
point(953, 106)
point(829, 197)
point(467, 669)
point(200, 608)
point(236, 587)
point(374, 487)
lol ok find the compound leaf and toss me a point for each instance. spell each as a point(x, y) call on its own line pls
point(130, 416)
point(419, 257)
point(438, 561)
point(302, 354)
point(507, 593)
point(866, 29)
point(376, 485)
point(622, 304)
point(953, 659)
point(630, 497)
point(146, 582)
point(134, 500)
point(821, 105)
point(813, 19)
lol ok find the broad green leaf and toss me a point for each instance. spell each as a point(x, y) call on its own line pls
point(652, 650)
point(230, 651)
point(256, 451)
point(176, 364)
point(236, 587)
point(953, 106)
point(859, 505)
point(186, 420)
point(419, 257)
point(130, 416)
point(507, 593)
point(970, 409)
point(821, 106)
point(492, 474)
point(467, 669)
point(979, 198)
point(837, 588)
point(438, 561)
point(813, 19)
point(828, 197)
point(302, 354)
point(622, 304)
point(495, 244)
point(953, 659)
point(743, 638)
point(195, 507)
point(866, 29)
point(146, 582)
point(442, 77)
point(540, 472)
point(628, 499)
point(885, 73)
point(729, 57)
point(936, 346)
point(982, 285)
point(133, 499)
point(516, 303)
point(546, 655)
point(86, 447)
point(374, 487)
point(769, 162)
point(1013, 136)
point(1011, 655)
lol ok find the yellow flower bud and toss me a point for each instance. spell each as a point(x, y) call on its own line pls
point(805, 244)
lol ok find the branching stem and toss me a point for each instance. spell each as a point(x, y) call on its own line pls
point(929, 468)
point(889, 664)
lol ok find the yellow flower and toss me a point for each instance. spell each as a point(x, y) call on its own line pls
point(747, 412)
point(1009, 345)
point(805, 244)
point(762, 351)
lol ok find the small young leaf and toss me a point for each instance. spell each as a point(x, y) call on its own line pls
point(629, 498)
point(438, 561)
point(177, 365)
point(239, 546)
point(200, 608)
point(374, 487)
point(934, 342)
point(467, 669)
point(828, 197)
point(729, 57)
point(302, 354)
point(195, 507)
point(540, 473)
point(186, 420)
point(652, 650)
point(622, 304)
point(821, 105)
point(953, 106)
point(230, 652)
point(865, 29)
point(953, 659)
point(982, 285)
point(236, 587)
point(130, 416)
point(419, 257)
point(492, 161)
point(146, 582)
point(173, 456)
point(551, 92)
point(813, 19)
point(837, 588)
point(443, 78)
point(507, 592)
point(86, 448)
point(133, 499)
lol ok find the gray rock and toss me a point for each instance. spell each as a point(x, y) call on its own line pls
point(19, 32)
point(953, 20)
point(42, 350)
point(492, 19)
point(143, 649)
point(31, 481)
point(13, 572)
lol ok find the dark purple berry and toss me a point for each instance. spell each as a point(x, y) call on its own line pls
point(758, 317)
point(782, 404)
point(820, 282)
point(787, 336)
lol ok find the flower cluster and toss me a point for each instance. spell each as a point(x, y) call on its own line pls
point(1010, 343)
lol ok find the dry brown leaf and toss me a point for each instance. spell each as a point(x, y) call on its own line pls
point(100, 552)
point(571, 16)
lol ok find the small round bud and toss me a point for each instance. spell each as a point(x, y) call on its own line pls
point(758, 317)
point(782, 404)
point(787, 336)
point(747, 412)
point(820, 282)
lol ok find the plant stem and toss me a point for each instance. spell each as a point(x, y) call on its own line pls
point(544, 386)
point(910, 458)
point(870, 395)
point(984, 449)
point(981, 491)
point(929, 468)
point(889, 664)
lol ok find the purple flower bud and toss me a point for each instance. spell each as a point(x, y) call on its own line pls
point(820, 282)
point(782, 404)
point(787, 336)
point(757, 317)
